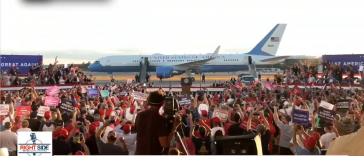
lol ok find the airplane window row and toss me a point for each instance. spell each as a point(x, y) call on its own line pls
point(231, 60)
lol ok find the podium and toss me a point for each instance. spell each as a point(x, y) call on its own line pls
point(186, 84)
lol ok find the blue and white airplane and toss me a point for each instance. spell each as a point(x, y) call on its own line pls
point(167, 66)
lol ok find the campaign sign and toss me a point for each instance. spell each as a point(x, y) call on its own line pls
point(222, 114)
point(326, 114)
point(295, 90)
point(4, 109)
point(35, 143)
point(123, 93)
point(326, 105)
point(42, 110)
point(92, 92)
point(52, 91)
point(253, 126)
point(51, 101)
point(268, 85)
point(66, 105)
point(300, 117)
point(184, 100)
point(139, 96)
point(343, 104)
point(22, 110)
point(105, 93)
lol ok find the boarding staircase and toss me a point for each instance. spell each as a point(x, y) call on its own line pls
point(253, 70)
point(143, 69)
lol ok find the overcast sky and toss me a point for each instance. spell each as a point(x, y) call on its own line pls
point(82, 31)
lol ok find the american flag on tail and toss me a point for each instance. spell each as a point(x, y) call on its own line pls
point(274, 39)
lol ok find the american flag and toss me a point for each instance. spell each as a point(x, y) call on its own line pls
point(274, 39)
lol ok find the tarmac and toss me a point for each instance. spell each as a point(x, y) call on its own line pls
point(104, 78)
point(208, 76)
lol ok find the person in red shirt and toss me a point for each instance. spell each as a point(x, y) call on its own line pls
point(17, 125)
point(107, 109)
point(204, 118)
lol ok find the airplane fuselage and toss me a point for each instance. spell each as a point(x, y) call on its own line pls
point(131, 63)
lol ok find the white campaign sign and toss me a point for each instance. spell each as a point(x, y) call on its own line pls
point(326, 105)
point(42, 110)
point(139, 96)
point(4, 109)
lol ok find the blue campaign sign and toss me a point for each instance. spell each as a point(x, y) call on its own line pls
point(343, 60)
point(300, 117)
point(92, 92)
point(23, 62)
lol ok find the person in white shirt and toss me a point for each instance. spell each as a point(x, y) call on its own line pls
point(130, 139)
point(6, 79)
point(329, 136)
point(25, 125)
point(9, 139)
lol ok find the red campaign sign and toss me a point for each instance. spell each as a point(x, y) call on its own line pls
point(22, 110)
point(268, 85)
point(51, 101)
point(52, 91)
point(295, 90)
point(253, 126)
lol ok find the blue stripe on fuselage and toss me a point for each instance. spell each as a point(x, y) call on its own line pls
point(207, 68)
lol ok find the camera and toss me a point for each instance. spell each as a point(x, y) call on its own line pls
point(80, 124)
point(171, 106)
point(79, 134)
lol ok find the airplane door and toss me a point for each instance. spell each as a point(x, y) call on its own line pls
point(246, 59)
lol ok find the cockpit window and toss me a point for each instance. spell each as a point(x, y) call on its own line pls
point(97, 62)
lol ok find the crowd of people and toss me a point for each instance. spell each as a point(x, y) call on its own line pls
point(126, 123)
point(307, 72)
point(53, 74)
point(121, 125)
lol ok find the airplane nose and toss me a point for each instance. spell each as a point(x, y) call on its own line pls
point(91, 67)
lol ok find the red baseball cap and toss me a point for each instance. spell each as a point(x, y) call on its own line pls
point(79, 153)
point(204, 112)
point(63, 132)
point(311, 142)
point(216, 120)
point(127, 128)
point(47, 114)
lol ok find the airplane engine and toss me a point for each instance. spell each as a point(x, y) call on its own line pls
point(164, 72)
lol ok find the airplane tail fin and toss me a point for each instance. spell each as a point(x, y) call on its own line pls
point(268, 46)
point(214, 55)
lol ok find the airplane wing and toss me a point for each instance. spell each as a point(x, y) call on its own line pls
point(274, 59)
point(200, 63)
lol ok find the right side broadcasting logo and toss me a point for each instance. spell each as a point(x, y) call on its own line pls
point(35, 143)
